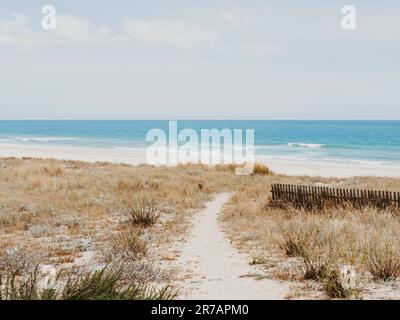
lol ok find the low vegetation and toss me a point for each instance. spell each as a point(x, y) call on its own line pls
point(77, 217)
point(344, 249)
point(144, 212)
point(98, 285)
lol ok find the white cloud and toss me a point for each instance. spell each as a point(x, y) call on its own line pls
point(20, 18)
point(19, 32)
point(176, 33)
point(260, 49)
point(79, 29)
point(13, 31)
point(236, 18)
point(71, 30)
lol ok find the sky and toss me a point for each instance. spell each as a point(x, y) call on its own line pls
point(208, 59)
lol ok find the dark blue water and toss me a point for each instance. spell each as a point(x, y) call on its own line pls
point(374, 142)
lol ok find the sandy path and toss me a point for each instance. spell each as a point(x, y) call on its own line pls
point(214, 269)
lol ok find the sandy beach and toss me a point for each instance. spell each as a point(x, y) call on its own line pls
point(136, 157)
point(74, 153)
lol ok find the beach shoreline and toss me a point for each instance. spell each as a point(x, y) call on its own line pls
point(137, 157)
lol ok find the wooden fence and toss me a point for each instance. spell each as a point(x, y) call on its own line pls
point(310, 197)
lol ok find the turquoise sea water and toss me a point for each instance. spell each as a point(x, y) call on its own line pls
point(356, 142)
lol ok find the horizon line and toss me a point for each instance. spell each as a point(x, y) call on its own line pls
point(172, 119)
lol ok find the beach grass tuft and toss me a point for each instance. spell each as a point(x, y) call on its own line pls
point(97, 285)
point(261, 169)
point(143, 212)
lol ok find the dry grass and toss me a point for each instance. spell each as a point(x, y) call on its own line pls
point(343, 248)
point(126, 246)
point(144, 211)
point(80, 216)
point(261, 169)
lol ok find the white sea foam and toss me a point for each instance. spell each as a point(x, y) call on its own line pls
point(44, 139)
point(367, 162)
point(306, 145)
point(283, 158)
point(130, 148)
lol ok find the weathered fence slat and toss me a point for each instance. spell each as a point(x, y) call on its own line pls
point(311, 196)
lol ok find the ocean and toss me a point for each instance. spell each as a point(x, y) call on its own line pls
point(354, 142)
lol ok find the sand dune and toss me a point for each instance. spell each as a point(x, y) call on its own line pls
point(136, 157)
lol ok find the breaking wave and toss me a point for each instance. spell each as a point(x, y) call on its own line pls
point(305, 145)
point(43, 139)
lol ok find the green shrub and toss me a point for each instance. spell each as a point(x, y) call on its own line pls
point(97, 285)
point(341, 283)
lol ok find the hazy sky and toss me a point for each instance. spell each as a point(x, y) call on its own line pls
point(208, 59)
